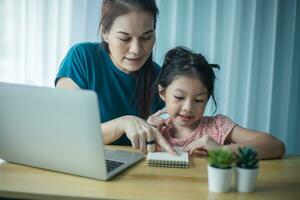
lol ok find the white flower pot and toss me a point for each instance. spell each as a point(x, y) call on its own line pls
point(219, 180)
point(245, 179)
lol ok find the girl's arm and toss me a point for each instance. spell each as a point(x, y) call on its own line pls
point(268, 146)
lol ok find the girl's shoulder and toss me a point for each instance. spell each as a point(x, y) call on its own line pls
point(216, 117)
point(217, 120)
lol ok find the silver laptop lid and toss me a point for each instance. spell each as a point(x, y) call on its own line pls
point(50, 128)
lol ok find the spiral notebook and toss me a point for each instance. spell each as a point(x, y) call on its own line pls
point(164, 159)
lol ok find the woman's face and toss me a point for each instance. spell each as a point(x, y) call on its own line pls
point(130, 40)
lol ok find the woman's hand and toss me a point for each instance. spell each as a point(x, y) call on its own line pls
point(139, 132)
point(202, 145)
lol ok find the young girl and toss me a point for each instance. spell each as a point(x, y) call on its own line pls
point(185, 83)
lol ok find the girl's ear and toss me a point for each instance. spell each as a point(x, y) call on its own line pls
point(161, 91)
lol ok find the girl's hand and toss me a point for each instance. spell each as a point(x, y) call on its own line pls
point(158, 122)
point(155, 119)
point(202, 146)
point(139, 132)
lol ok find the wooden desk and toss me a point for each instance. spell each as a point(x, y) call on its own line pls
point(278, 179)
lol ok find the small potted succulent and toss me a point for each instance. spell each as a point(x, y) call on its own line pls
point(246, 169)
point(219, 170)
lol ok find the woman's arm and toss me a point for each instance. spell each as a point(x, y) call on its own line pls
point(67, 83)
point(136, 129)
point(138, 132)
point(268, 146)
point(111, 130)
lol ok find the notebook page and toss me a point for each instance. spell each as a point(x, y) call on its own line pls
point(164, 156)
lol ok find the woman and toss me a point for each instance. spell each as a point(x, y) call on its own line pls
point(121, 71)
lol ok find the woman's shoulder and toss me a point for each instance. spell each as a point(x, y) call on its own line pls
point(87, 52)
point(86, 46)
point(156, 68)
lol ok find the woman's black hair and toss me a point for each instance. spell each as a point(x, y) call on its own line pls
point(111, 9)
point(181, 61)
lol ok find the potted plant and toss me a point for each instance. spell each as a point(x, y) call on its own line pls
point(246, 169)
point(219, 170)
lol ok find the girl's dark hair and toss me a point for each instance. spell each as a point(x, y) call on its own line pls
point(111, 9)
point(183, 62)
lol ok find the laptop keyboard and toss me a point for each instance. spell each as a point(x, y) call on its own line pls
point(112, 164)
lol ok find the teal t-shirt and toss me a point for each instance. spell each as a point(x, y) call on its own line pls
point(90, 67)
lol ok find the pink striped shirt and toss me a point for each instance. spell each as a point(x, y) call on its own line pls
point(218, 127)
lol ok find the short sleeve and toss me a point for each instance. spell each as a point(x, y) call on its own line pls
point(157, 102)
point(224, 125)
point(74, 66)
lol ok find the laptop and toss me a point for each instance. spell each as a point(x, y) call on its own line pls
point(57, 129)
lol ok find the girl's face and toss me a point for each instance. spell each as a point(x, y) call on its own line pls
point(185, 100)
point(130, 40)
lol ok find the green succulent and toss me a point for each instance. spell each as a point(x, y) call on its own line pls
point(220, 158)
point(247, 158)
